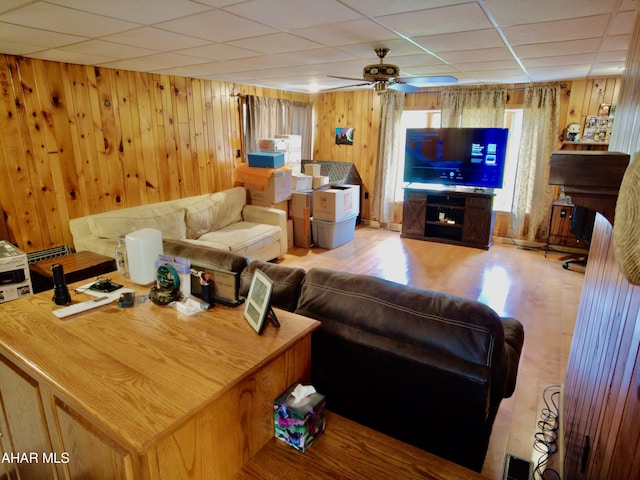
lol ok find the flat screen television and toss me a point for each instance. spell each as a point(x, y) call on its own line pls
point(471, 157)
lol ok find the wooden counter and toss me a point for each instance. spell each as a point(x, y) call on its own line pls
point(142, 392)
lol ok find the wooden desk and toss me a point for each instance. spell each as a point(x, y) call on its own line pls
point(142, 392)
point(77, 266)
point(350, 451)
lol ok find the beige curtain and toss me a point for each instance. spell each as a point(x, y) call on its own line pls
point(533, 194)
point(267, 117)
point(478, 106)
point(390, 149)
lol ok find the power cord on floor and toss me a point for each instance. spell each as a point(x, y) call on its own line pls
point(546, 437)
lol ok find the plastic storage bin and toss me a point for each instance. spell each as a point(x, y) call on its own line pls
point(333, 234)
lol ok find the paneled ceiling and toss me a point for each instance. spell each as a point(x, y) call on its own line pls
point(295, 44)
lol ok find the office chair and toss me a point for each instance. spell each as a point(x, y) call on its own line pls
point(582, 221)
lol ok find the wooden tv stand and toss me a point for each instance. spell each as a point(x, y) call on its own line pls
point(449, 216)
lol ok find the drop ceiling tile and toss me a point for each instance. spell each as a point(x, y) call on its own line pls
point(376, 8)
point(13, 48)
point(569, 72)
point(488, 66)
point(396, 47)
point(346, 33)
point(555, 31)
point(156, 39)
point(7, 5)
point(218, 52)
point(615, 56)
point(509, 12)
point(559, 60)
point(64, 20)
point(450, 42)
point(294, 14)
point(57, 55)
point(615, 42)
point(606, 69)
point(145, 12)
point(35, 37)
point(622, 23)
point(485, 54)
point(421, 60)
point(572, 47)
point(456, 18)
point(319, 55)
point(104, 49)
point(216, 26)
point(276, 43)
point(430, 70)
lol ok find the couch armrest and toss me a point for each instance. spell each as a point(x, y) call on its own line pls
point(270, 216)
point(514, 340)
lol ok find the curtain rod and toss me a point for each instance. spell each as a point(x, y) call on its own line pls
point(562, 86)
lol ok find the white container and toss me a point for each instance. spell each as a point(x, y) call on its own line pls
point(143, 248)
point(333, 234)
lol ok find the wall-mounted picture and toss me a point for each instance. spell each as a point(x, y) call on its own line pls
point(258, 305)
point(344, 136)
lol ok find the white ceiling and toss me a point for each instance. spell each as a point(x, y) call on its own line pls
point(295, 44)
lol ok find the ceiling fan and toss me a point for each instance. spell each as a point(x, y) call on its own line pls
point(385, 75)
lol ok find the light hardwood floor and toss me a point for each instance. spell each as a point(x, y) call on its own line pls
point(515, 282)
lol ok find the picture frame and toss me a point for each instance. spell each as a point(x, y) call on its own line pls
point(258, 302)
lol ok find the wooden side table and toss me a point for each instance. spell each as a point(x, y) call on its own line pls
point(77, 266)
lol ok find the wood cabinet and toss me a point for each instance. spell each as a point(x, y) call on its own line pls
point(140, 393)
point(461, 218)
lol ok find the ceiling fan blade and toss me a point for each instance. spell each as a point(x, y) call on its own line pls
point(404, 87)
point(428, 80)
point(348, 78)
point(346, 86)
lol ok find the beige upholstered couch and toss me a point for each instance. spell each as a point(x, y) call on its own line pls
point(219, 220)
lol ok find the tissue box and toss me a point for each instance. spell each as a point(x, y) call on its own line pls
point(299, 424)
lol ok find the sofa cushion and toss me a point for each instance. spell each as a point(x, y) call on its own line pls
point(199, 218)
point(227, 206)
point(244, 237)
point(113, 225)
point(204, 256)
point(287, 282)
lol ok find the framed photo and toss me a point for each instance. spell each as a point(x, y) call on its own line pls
point(344, 136)
point(258, 303)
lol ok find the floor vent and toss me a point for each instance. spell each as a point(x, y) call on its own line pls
point(516, 468)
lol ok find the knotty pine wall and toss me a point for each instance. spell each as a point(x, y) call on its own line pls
point(77, 140)
point(357, 109)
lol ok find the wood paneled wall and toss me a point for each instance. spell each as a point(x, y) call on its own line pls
point(601, 413)
point(77, 140)
point(357, 109)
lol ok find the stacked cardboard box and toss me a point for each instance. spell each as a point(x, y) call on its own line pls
point(300, 214)
point(335, 211)
point(293, 151)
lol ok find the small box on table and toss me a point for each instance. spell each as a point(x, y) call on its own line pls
point(15, 280)
point(299, 423)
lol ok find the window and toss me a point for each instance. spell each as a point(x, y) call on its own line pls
point(512, 120)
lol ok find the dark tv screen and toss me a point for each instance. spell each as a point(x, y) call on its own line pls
point(472, 157)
